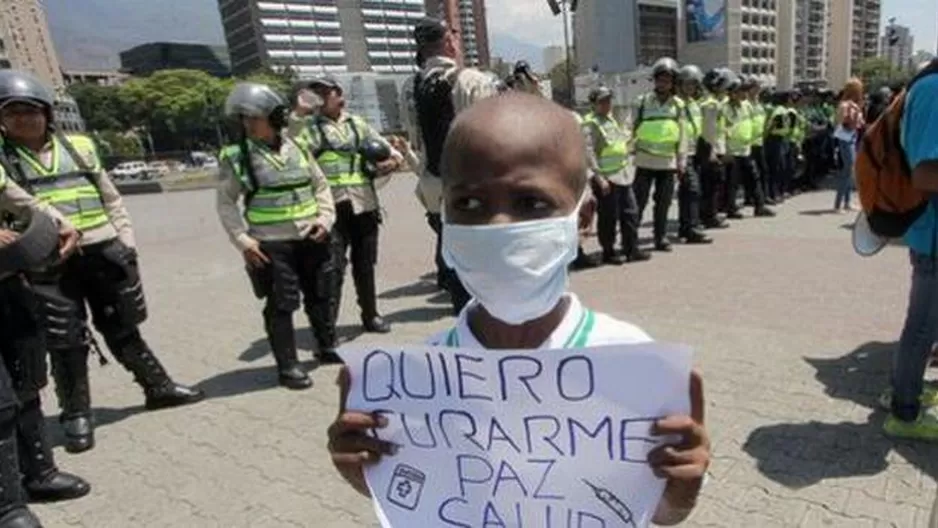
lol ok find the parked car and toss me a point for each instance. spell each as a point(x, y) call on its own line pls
point(131, 170)
point(160, 168)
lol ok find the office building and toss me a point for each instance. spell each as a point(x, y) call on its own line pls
point(67, 115)
point(313, 37)
point(619, 37)
point(812, 19)
point(853, 37)
point(753, 37)
point(101, 78)
point(896, 46)
point(553, 55)
point(155, 56)
point(468, 18)
point(375, 97)
point(25, 42)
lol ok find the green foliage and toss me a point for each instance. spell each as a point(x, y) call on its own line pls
point(560, 83)
point(180, 109)
point(119, 144)
point(876, 72)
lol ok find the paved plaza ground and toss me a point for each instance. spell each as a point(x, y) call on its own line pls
point(793, 335)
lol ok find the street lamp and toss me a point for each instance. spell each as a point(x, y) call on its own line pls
point(565, 7)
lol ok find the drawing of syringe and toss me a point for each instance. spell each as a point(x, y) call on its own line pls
point(613, 503)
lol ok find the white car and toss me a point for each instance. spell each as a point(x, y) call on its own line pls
point(131, 170)
point(160, 167)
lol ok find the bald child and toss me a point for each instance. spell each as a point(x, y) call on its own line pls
point(513, 184)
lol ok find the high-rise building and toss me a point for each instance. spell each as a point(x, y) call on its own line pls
point(812, 19)
point(468, 18)
point(25, 42)
point(620, 37)
point(155, 56)
point(553, 55)
point(313, 37)
point(752, 37)
point(853, 37)
point(896, 45)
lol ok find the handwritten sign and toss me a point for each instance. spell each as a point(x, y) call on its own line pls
point(521, 439)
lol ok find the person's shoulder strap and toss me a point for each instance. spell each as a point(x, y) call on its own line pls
point(72, 152)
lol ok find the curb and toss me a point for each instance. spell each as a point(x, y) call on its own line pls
point(139, 188)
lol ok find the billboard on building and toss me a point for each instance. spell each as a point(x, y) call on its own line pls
point(706, 20)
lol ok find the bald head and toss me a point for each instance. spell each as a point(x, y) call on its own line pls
point(502, 145)
point(516, 129)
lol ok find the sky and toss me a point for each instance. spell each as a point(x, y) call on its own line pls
point(532, 21)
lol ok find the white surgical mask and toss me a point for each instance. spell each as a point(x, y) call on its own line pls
point(517, 271)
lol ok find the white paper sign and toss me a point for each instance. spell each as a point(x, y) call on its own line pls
point(522, 439)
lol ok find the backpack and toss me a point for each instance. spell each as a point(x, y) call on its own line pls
point(433, 100)
point(883, 176)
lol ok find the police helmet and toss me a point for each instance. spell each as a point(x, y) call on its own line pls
point(665, 65)
point(374, 151)
point(326, 81)
point(690, 72)
point(749, 81)
point(733, 83)
point(254, 100)
point(600, 93)
point(17, 86)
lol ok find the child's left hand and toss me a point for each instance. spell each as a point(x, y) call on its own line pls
point(684, 464)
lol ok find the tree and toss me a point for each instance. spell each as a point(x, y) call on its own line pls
point(876, 72)
point(101, 106)
point(560, 83)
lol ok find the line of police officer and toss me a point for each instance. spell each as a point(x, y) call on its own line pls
point(709, 134)
point(297, 193)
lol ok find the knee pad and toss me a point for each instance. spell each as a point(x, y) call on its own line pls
point(62, 319)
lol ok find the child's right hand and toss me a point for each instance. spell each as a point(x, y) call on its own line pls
point(350, 444)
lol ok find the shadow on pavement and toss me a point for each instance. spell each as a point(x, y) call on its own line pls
point(304, 341)
point(818, 212)
point(798, 455)
point(422, 314)
point(414, 289)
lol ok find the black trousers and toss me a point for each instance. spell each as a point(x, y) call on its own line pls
point(758, 157)
point(663, 181)
point(688, 198)
point(743, 170)
point(104, 276)
point(617, 208)
point(297, 269)
point(355, 239)
point(445, 277)
point(777, 160)
point(23, 440)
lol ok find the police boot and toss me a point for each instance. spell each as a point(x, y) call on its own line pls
point(584, 260)
point(693, 236)
point(282, 338)
point(160, 390)
point(19, 518)
point(764, 212)
point(42, 480)
point(70, 371)
point(367, 300)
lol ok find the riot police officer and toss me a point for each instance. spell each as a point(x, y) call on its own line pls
point(66, 172)
point(711, 148)
point(27, 465)
point(690, 80)
point(283, 233)
point(739, 146)
point(658, 121)
point(335, 138)
point(608, 147)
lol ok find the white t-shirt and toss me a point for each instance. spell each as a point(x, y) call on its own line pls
point(580, 327)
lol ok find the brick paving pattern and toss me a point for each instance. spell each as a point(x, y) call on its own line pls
point(793, 334)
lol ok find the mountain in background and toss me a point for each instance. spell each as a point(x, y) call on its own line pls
point(90, 37)
point(512, 49)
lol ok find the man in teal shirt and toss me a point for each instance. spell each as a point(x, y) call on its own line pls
point(909, 417)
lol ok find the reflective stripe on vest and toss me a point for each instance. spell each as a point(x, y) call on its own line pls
point(739, 130)
point(758, 124)
point(284, 182)
point(659, 131)
point(696, 118)
point(339, 159)
point(65, 186)
point(614, 155)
